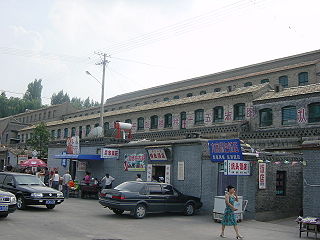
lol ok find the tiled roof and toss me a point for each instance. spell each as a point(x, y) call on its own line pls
point(198, 98)
point(289, 92)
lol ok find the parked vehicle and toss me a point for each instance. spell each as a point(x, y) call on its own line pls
point(29, 190)
point(8, 203)
point(142, 197)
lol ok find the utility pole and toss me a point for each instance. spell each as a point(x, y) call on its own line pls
point(104, 62)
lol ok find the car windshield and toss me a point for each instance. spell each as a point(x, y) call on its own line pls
point(130, 187)
point(28, 180)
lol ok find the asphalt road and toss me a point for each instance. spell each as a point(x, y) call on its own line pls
point(83, 219)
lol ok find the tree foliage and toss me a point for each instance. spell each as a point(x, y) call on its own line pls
point(59, 98)
point(62, 97)
point(40, 139)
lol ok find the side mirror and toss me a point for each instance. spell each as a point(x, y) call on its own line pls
point(11, 184)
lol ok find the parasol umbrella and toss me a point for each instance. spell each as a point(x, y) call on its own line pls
point(33, 162)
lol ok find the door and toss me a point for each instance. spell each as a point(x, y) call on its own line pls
point(73, 168)
point(156, 199)
point(174, 203)
point(159, 172)
point(224, 181)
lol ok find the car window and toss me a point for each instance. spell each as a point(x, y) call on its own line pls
point(7, 180)
point(28, 180)
point(168, 190)
point(2, 177)
point(155, 189)
point(130, 187)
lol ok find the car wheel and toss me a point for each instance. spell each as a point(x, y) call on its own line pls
point(50, 206)
point(4, 215)
point(140, 211)
point(117, 211)
point(189, 209)
point(21, 204)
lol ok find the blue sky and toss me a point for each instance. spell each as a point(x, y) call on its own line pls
point(228, 34)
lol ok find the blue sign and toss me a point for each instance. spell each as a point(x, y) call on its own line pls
point(63, 162)
point(221, 150)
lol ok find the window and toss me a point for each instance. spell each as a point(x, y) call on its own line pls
point(303, 78)
point(39, 116)
point(128, 121)
point(168, 120)
point(88, 129)
point(229, 88)
point(154, 122)
point(238, 111)
point(218, 114)
point(183, 120)
point(203, 92)
point(283, 81)
point(53, 134)
point(265, 117)
point(23, 119)
point(141, 123)
point(289, 115)
point(176, 97)
point(59, 133)
point(65, 133)
point(31, 118)
point(27, 119)
point(198, 116)
point(314, 112)
point(54, 113)
point(281, 183)
point(166, 99)
point(49, 114)
point(22, 137)
point(80, 132)
point(168, 190)
point(73, 131)
point(8, 181)
point(264, 81)
point(105, 110)
point(217, 90)
point(155, 189)
point(189, 95)
point(247, 84)
point(96, 125)
point(112, 109)
point(44, 115)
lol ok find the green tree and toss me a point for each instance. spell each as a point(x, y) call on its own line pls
point(40, 140)
point(77, 102)
point(59, 98)
point(34, 91)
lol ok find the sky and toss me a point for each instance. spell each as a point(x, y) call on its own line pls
point(149, 43)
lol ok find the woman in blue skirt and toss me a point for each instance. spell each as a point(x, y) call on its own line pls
point(229, 218)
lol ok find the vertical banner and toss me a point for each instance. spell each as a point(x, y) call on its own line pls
point(73, 145)
point(149, 172)
point(262, 175)
point(181, 171)
point(167, 177)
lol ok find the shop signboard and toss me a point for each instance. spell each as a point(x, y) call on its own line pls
point(22, 158)
point(135, 162)
point(236, 168)
point(73, 145)
point(149, 172)
point(262, 175)
point(110, 153)
point(222, 150)
point(157, 154)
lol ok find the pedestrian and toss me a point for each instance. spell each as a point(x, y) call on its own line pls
point(138, 179)
point(87, 178)
point(66, 178)
point(46, 176)
point(42, 175)
point(107, 181)
point(229, 218)
point(55, 180)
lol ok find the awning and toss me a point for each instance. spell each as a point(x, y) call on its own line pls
point(79, 156)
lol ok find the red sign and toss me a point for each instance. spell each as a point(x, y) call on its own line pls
point(110, 153)
point(262, 175)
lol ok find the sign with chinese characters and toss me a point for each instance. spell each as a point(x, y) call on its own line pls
point(250, 112)
point(73, 145)
point(180, 171)
point(301, 115)
point(157, 154)
point(262, 175)
point(167, 176)
point(228, 116)
point(149, 172)
point(22, 158)
point(236, 168)
point(134, 162)
point(221, 150)
point(110, 153)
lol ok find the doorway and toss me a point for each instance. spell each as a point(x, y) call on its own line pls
point(159, 172)
point(224, 181)
point(73, 168)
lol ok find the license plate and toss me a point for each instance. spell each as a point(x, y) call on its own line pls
point(108, 195)
point(3, 208)
point(50, 202)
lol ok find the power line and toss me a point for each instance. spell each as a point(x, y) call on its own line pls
point(18, 93)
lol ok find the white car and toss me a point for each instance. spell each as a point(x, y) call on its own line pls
point(8, 203)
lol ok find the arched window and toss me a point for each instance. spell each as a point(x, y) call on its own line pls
point(176, 97)
point(189, 95)
point(289, 115)
point(154, 122)
point(168, 120)
point(53, 134)
point(80, 132)
point(218, 114)
point(264, 80)
point(140, 123)
point(183, 120)
point(303, 78)
point(199, 116)
point(265, 117)
point(238, 111)
point(217, 90)
point(166, 99)
point(59, 133)
point(283, 81)
point(247, 84)
point(314, 112)
point(88, 129)
point(203, 92)
point(49, 114)
point(65, 133)
point(73, 131)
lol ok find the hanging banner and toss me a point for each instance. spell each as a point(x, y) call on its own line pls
point(167, 178)
point(262, 175)
point(236, 168)
point(157, 154)
point(73, 145)
point(110, 153)
point(221, 150)
point(149, 172)
point(134, 162)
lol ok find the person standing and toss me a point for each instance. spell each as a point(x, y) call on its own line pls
point(87, 178)
point(46, 176)
point(229, 218)
point(55, 180)
point(138, 179)
point(107, 181)
point(66, 178)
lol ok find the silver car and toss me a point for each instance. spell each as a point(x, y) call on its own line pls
point(8, 203)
